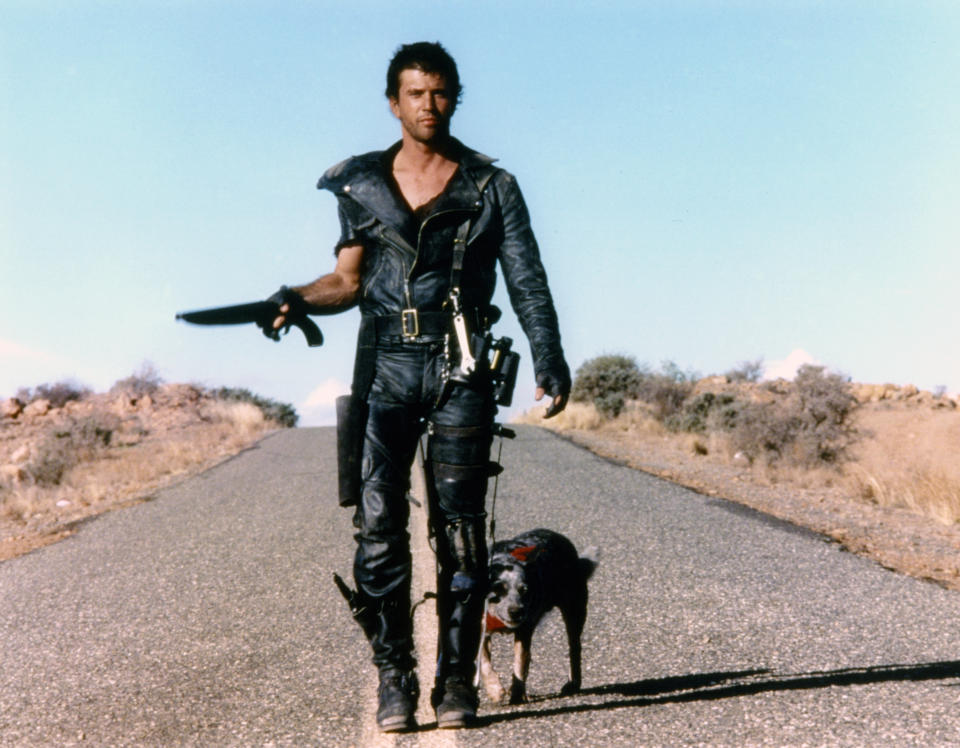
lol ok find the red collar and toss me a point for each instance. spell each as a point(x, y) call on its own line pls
point(494, 624)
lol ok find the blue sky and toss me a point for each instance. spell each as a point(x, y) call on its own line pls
point(710, 182)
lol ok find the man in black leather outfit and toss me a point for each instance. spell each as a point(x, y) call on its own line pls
point(423, 225)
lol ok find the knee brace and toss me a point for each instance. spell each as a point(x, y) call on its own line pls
point(463, 556)
point(459, 465)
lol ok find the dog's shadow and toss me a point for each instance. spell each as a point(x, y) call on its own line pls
point(719, 685)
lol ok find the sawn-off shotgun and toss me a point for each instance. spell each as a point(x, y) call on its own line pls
point(261, 313)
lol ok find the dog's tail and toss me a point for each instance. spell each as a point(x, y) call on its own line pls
point(587, 563)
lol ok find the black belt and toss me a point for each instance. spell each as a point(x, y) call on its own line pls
point(412, 323)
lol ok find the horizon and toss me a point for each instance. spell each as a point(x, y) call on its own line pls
point(710, 182)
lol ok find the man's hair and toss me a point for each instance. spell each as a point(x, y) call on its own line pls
point(427, 57)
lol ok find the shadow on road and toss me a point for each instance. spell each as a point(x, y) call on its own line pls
point(712, 686)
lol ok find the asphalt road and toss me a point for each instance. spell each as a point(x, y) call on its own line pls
point(208, 617)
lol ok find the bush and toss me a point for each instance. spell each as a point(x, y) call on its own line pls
point(145, 381)
point(810, 426)
point(282, 413)
point(610, 381)
point(746, 371)
point(607, 382)
point(706, 412)
point(825, 402)
point(666, 390)
point(61, 449)
point(58, 394)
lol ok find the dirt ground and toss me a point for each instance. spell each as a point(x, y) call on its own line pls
point(901, 445)
point(139, 445)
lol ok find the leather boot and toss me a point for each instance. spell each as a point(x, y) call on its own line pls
point(455, 696)
point(397, 698)
point(392, 641)
point(458, 707)
point(391, 629)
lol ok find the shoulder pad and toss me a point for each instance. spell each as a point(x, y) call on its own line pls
point(347, 170)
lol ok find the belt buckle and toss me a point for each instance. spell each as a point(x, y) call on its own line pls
point(410, 323)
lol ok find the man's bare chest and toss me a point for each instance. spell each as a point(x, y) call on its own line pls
point(419, 188)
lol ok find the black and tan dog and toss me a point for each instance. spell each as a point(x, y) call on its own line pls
point(529, 575)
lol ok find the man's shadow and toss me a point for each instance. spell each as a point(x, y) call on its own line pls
point(723, 685)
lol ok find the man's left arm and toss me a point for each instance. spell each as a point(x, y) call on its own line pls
point(526, 282)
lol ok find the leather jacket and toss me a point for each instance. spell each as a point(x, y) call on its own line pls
point(407, 259)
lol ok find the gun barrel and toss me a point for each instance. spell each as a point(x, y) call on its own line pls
point(262, 313)
point(238, 314)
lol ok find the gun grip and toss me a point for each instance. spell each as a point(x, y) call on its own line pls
point(310, 331)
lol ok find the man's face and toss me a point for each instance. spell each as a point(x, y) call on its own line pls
point(423, 106)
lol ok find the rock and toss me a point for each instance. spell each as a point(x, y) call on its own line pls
point(11, 408)
point(20, 454)
point(180, 394)
point(37, 408)
point(868, 393)
point(711, 384)
point(12, 474)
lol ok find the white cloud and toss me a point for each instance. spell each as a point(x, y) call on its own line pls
point(319, 407)
point(14, 351)
point(21, 366)
point(787, 368)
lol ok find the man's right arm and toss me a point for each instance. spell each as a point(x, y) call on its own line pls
point(333, 292)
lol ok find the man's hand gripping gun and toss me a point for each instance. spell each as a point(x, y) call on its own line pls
point(262, 314)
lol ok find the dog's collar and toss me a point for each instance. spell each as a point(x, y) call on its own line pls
point(494, 624)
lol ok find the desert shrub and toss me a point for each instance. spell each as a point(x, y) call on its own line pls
point(764, 431)
point(145, 381)
point(705, 412)
point(608, 382)
point(94, 431)
point(810, 426)
point(281, 413)
point(58, 393)
point(746, 371)
point(825, 402)
point(666, 390)
point(52, 458)
point(63, 447)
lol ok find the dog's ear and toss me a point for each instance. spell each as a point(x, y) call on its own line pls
point(523, 554)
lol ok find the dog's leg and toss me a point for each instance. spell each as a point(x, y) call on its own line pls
point(574, 617)
point(491, 682)
point(521, 666)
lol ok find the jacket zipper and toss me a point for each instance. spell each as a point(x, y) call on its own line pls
point(408, 274)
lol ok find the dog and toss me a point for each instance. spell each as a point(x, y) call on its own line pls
point(530, 575)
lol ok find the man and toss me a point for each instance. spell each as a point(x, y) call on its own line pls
point(423, 225)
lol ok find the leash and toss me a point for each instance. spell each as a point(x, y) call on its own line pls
point(493, 500)
point(504, 433)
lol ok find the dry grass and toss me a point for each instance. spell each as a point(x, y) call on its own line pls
point(635, 418)
point(906, 456)
point(908, 459)
point(180, 432)
point(117, 476)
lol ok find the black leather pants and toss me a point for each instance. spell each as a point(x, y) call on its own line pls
point(402, 404)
